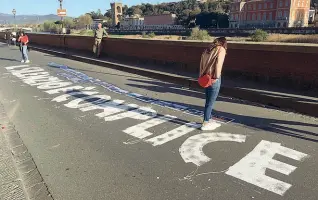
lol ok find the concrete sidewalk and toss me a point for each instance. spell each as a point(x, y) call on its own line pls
point(305, 103)
point(19, 176)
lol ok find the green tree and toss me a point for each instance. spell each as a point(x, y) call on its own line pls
point(96, 15)
point(69, 23)
point(197, 34)
point(49, 26)
point(108, 23)
point(186, 10)
point(125, 8)
point(149, 9)
point(183, 18)
point(195, 12)
point(137, 11)
point(204, 7)
point(259, 36)
point(84, 21)
point(108, 13)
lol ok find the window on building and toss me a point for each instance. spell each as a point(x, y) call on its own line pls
point(259, 6)
point(280, 3)
point(302, 4)
point(236, 17)
point(298, 4)
point(264, 16)
point(270, 16)
point(265, 5)
point(259, 16)
point(272, 5)
point(285, 14)
point(280, 13)
point(249, 16)
point(254, 6)
point(254, 16)
point(286, 3)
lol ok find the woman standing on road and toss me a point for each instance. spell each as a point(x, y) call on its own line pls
point(211, 65)
point(24, 40)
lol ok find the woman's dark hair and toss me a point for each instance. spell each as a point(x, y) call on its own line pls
point(22, 32)
point(221, 41)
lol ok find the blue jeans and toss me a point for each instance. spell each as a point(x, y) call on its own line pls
point(211, 93)
point(25, 53)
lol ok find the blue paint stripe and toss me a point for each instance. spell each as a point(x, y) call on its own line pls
point(79, 77)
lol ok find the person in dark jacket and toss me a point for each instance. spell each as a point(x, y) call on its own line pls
point(8, 37)
point(18, 42)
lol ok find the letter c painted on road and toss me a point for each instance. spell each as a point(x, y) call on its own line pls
point(191, 149)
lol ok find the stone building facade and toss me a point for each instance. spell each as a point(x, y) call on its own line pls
point(163, 19)
point(269, 13)
point(135, 20)
point(117, 12)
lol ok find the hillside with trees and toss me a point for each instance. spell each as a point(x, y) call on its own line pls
point(211, 13)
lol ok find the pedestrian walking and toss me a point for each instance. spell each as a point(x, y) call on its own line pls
point(14, 40)
point(8, 37)
point(211, 65)
point(18, 42)
point(98, 36)
point(24, 40)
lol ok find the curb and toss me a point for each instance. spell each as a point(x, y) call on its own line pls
point(31, 179)
point(253, 96)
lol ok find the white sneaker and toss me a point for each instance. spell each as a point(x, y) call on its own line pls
point(27, 61)
point(209, 126)
point(22, 61)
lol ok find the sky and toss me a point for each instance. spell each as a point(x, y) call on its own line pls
point(74, 7)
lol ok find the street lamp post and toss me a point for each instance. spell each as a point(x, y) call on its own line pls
point(61, 7)
point(14, 12)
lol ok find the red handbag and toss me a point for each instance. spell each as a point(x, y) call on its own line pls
point(206, 81)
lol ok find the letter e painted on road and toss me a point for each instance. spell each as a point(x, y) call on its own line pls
point(252, 167)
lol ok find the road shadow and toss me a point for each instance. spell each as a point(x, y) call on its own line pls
point(157, 86)
point(261, 123)
point(9, 59)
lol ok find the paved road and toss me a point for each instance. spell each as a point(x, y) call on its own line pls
point(115, 135)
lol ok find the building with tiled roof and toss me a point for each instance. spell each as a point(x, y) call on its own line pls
point(269, 13)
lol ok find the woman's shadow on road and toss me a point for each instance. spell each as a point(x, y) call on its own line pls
point(268, 124)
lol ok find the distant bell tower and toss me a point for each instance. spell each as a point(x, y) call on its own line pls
point(117, 12)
